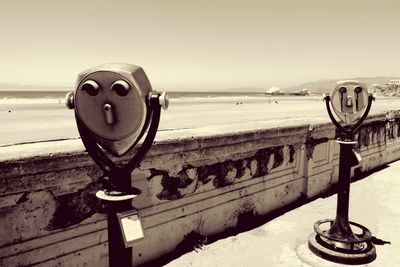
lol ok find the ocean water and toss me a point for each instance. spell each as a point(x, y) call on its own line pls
point(39, 99)
point(26, 95)
point(40, 116)
point(4, 95)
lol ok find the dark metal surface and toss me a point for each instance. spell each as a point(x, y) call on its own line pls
point(339, 243)
point(346, 130)
point(358, 238)
point(114, 119)
point(119, 186)
point(117, 253)
point(319, 248)
point(119, 176)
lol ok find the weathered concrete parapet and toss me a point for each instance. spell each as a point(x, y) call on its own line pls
point(319, 162)
point(212, 162)
point(194, 184)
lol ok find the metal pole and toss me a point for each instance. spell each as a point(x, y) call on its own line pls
point(341, 226)
point(117, 253)
point(339, 243)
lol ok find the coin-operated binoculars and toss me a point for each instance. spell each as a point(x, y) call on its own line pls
point(114, 107)
point(351, 103)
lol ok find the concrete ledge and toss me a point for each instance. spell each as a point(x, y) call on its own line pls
point(193, 181)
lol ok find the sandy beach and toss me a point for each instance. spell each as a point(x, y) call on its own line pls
point(29, 121)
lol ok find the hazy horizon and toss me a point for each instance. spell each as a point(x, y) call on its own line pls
point(295, 87)
point(200, 45)
point(4, 87)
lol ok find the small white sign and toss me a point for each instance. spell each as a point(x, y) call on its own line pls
point(131, 227)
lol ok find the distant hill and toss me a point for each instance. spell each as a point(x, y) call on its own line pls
point(323, 86)
point(243, 90)
point(22, 87)
point(315, 87)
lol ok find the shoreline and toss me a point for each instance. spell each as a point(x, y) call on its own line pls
point(37, 122)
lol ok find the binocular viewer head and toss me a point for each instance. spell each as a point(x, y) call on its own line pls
point(112, 105)
point(349, 100)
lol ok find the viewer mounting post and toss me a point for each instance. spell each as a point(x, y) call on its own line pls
point(351, 102)
point(114, 107)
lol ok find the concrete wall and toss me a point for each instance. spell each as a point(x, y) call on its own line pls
point(200, 183)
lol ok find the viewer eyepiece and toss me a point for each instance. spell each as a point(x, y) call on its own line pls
point(91, 87)
point(120, 87)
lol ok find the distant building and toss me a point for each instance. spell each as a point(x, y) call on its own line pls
point(302, 92)
point(305, 91)
point(394, 80)
point(274, 91)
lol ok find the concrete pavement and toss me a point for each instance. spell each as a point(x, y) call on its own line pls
point(374, 203)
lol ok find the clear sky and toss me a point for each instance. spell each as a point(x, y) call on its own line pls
point(200, 44)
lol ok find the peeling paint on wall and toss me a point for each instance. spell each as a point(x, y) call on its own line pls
point(241, 167)
point(265, 163)
point(29, 216)
point(370, 134)
point(75, 207)
point(392, 129)
point(221, 174)
point(292, 152)
point(311, 143)
point(378, 132)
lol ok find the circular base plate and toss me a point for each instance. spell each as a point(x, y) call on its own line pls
point(346, 142)
point(101, 194)
point(366, 255)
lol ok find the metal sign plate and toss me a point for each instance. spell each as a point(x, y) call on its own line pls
point(131, 227)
